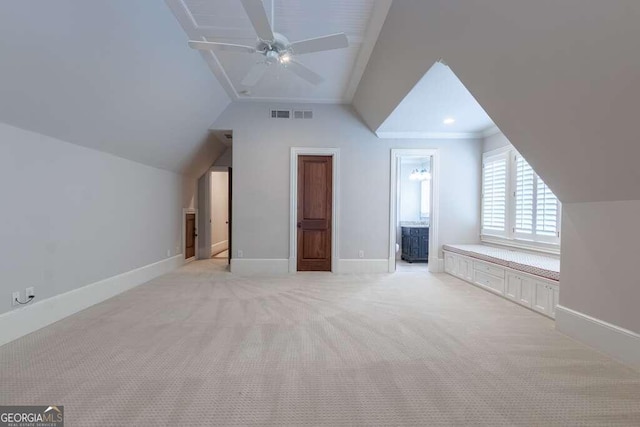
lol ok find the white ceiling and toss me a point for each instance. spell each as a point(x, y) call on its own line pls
point(438, 95)
point(114, 75)
point(226, 21)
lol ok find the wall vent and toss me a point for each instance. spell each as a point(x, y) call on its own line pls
point(280, 114)
point(303, 114)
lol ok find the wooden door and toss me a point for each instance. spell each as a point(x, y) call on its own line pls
point(190, 236)
point(315, 187)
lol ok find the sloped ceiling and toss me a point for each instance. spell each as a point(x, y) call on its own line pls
point(116, 76)
point(439, 95)
point(560, 78)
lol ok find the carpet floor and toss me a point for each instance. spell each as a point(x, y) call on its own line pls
point(201, 346)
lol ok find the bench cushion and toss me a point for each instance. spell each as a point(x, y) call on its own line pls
point(538, 265)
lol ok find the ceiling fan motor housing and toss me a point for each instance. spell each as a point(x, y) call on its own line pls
point(273, 50)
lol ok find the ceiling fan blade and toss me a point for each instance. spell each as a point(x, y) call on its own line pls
point(258, 17)
point(220, 46)
point(305, 73)
point(333, 41)
point(255, 74)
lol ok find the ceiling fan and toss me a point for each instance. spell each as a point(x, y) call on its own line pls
point(274, 47)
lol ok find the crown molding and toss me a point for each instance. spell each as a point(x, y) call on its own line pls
point(429, 135)
point(490, 131)
point(293, 100)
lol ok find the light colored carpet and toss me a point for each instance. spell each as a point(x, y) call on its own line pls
point(203, 347)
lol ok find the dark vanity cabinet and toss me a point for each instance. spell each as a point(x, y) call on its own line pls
point(415, 244)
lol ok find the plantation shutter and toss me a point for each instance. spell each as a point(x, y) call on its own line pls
point(524, 197)
point(546, 211)
point(494, 195)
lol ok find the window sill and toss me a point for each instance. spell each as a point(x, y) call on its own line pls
point(547, 248)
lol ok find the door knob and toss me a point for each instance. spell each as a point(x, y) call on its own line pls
point(299, 225)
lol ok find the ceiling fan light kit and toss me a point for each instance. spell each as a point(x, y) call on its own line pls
point(275, 47)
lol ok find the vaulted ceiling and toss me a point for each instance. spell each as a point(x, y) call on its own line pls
point(438, 106)
point(226, 21)
point(111, 75)
point(560, 78)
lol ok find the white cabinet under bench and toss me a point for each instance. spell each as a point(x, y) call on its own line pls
point(529, 280)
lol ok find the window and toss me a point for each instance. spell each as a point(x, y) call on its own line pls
point(494, 195)
point(516, 204)
point(523, 195)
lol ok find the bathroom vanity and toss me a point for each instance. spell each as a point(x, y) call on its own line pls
point(415, 242)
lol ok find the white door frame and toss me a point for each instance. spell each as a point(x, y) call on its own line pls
point(186, 211)
point(208, 212)
point(204, 228)
point(293, 197)
point(434, 245)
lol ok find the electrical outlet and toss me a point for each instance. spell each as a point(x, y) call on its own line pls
point(14, 298)
point(168, 253)
point(29, 292)
point(240, 253)
point(361, 253)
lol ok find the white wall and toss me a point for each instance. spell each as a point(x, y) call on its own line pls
point(600, 275)
point(72, 216)
point(494, 142)
point(219, 211)
point(133, 88)
point(261, 155)
point(226, 159)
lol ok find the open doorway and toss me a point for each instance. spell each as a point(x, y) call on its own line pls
point(189, 234)
point(215, 192)
point(220, 219)
point(214, 223)
point(413, 211)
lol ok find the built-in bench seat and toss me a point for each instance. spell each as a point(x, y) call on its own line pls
point(538, 265)
point(527, 279)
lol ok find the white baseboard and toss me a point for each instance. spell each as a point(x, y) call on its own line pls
point(22, 321)
point(259, 266)
point(619, 343)
point(366, 266)
point(284, 266)
point(216, 248)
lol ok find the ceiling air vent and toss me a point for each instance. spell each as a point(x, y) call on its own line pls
point(280, 114)
point(303, 114)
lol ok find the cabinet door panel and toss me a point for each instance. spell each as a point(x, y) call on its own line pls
point(526, 293)
point(406, 245)
point(542, 298)
point(512, 289)
point(555, 294)
point(424, 245)
point(450, 263)
point(465, 269)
